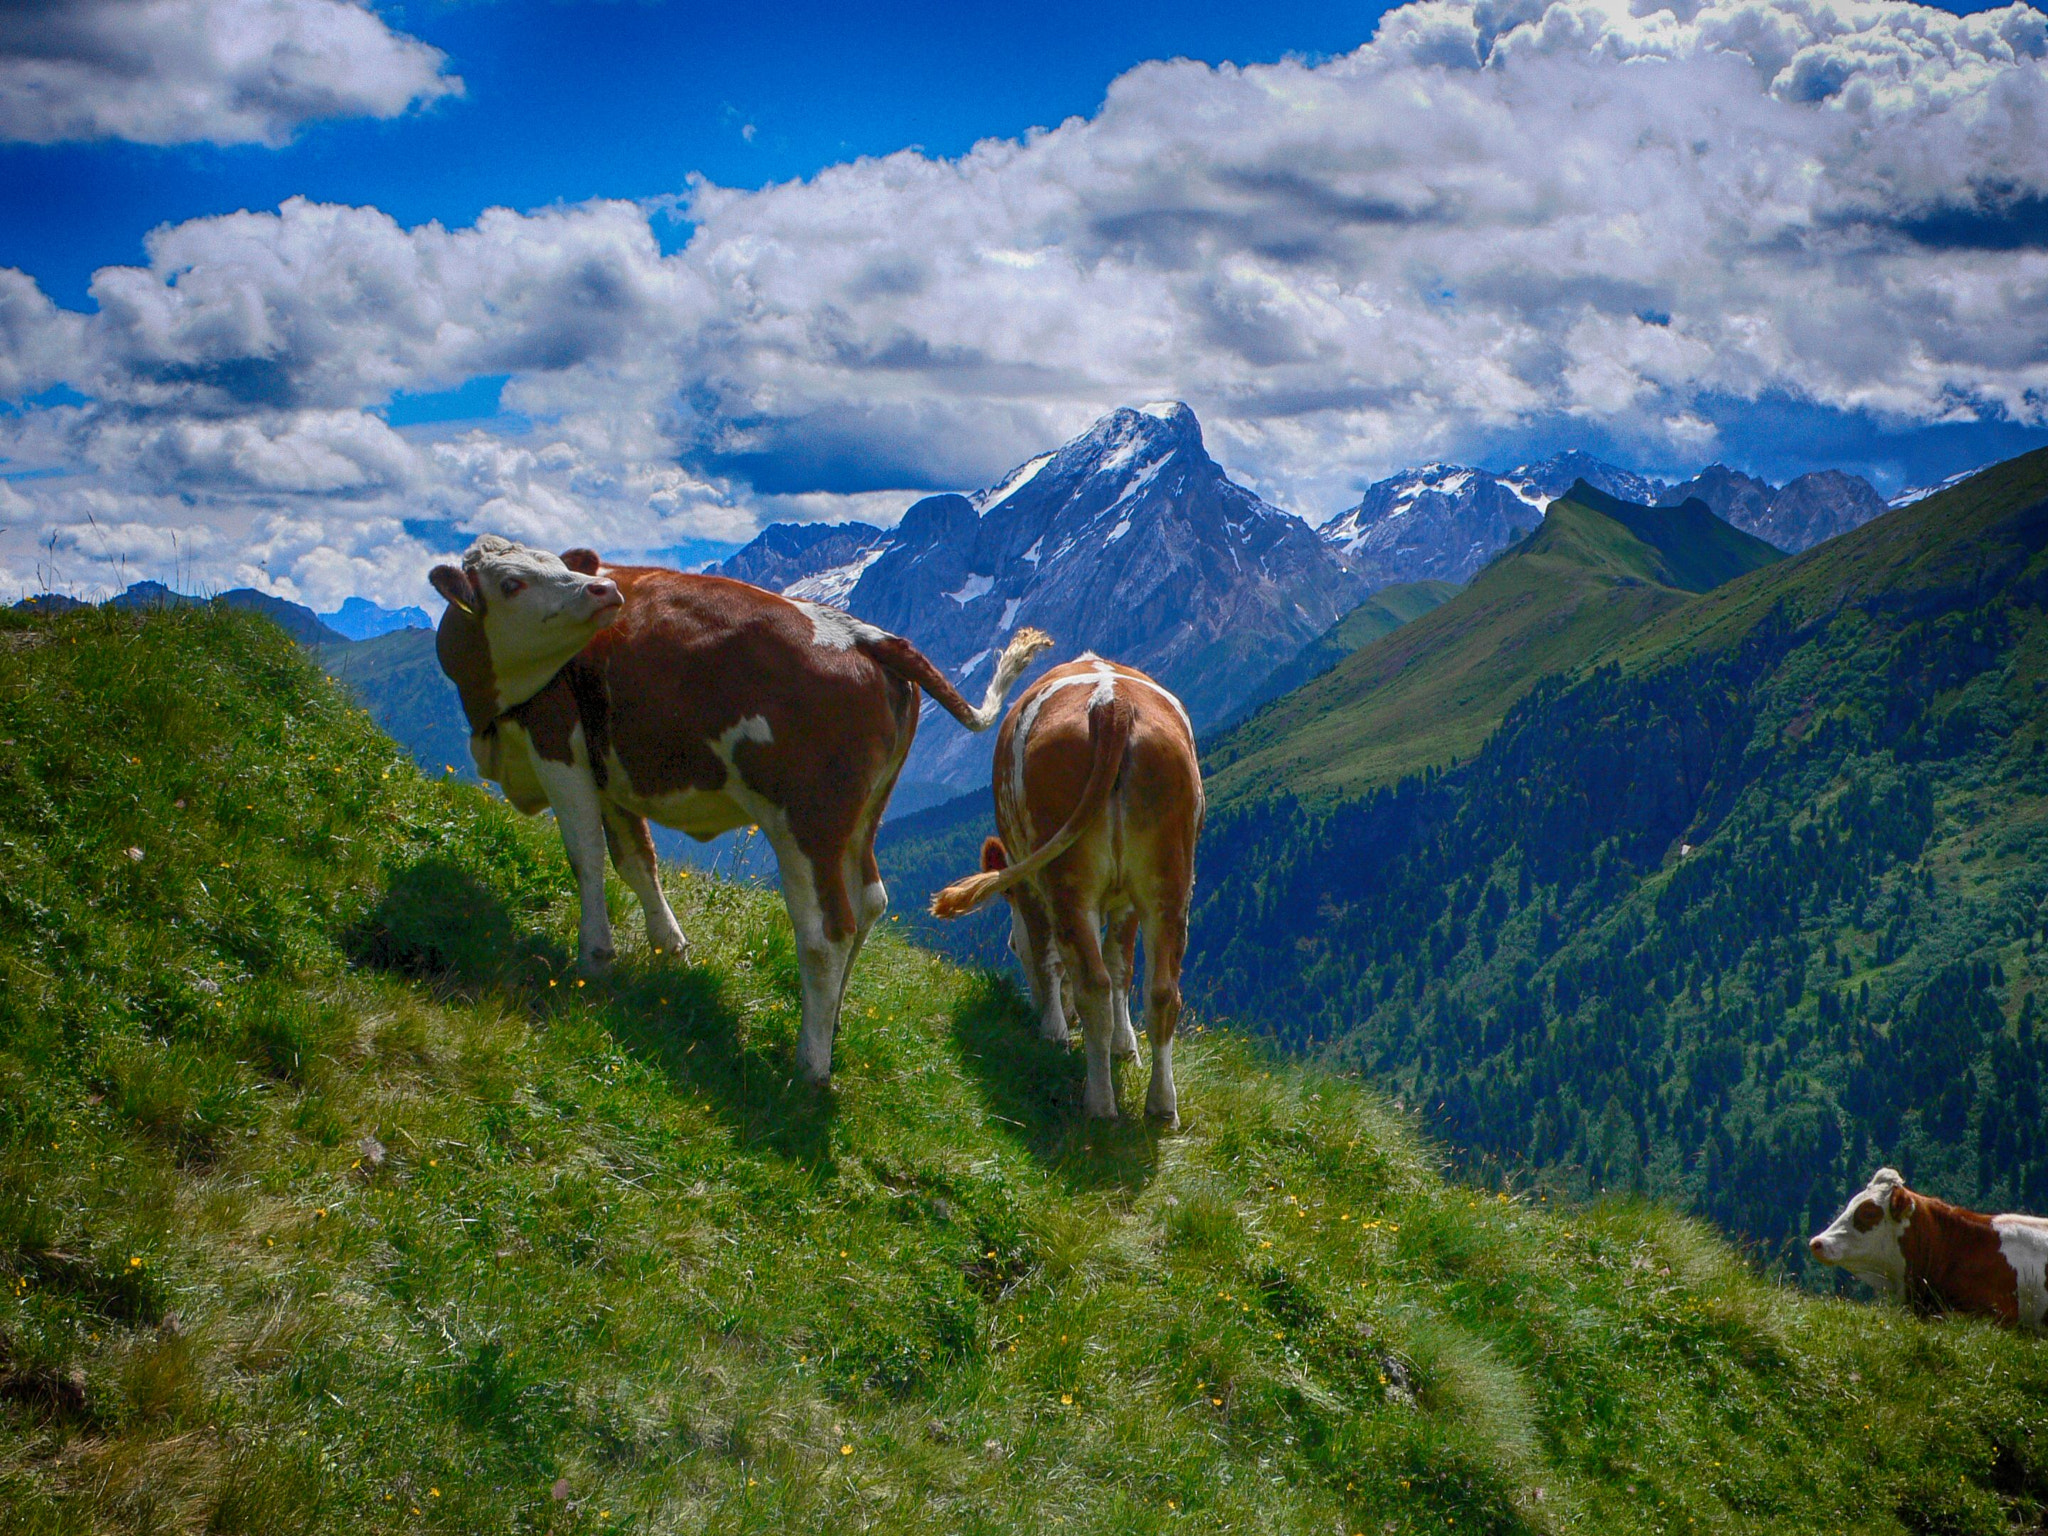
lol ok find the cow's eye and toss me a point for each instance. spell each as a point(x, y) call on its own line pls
point(1867, 1216)
point(511, 586)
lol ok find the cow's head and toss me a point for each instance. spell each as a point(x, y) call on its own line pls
point(515, 617)
point(1864, 1239)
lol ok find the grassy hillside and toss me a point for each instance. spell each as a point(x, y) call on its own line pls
point(330, 1202)
point(1754, 905)
point(1431, 692)
point(1379, 615)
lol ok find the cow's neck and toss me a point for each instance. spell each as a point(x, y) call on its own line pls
point(1937, 1244)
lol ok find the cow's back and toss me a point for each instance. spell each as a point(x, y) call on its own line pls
point(699, 669)
point(1044, 756)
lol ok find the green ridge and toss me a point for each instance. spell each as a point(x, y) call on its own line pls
point(329, 1202)
point(1432, 691)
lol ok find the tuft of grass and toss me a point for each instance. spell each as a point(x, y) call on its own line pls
point(331, 1202)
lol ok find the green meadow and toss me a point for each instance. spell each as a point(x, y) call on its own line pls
point(332, 1200)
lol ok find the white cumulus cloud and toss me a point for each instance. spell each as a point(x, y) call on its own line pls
point(219, 71)
point(1492, 218)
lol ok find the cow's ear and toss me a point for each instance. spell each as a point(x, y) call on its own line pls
point(1900, 1203)
point(583, 562)
point(994, 856)
point(458, 586)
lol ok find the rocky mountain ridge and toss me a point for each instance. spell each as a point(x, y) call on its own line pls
point(1129, 540)
point(1442, 522)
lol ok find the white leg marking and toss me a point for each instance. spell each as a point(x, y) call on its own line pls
point(572, 791)
point(820, 961)
point(664, 933)
point(1124, 1040)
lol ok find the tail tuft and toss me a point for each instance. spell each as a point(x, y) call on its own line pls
point(963, 896)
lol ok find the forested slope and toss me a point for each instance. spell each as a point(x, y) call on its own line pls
point(1729, 919)
point(1432, 691)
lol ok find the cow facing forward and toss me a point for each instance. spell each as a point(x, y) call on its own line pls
point(620, 694)
point(1098, 805)
point(1939, 1257)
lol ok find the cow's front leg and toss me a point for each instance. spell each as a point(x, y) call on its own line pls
point(632, 848)
point(573, 793)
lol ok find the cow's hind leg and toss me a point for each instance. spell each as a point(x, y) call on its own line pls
point(864, 877)
point(633, 856)
point(578, 815)
point(1081, 954)
point(826, 935)
point(1121, 958)
point(1166, 938)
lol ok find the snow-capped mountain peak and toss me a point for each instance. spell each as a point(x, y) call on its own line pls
point(1128, 540)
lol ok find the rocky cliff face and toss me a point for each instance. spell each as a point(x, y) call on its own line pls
point(1130, 540)
point(1794, 516)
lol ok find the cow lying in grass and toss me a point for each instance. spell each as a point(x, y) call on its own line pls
point(623, 693)
point(1098, 805)
point(1939, 1257)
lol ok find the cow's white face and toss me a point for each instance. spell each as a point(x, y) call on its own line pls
point(1864, 1239)
point(535, 611)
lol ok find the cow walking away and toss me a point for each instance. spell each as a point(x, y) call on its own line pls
point(620, 694)
point(1938, 1257)
point(1098, 806)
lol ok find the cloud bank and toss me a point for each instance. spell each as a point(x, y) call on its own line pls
point(187, 71)
point(1492, 217)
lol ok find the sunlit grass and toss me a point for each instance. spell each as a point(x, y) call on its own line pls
point(330, 1200)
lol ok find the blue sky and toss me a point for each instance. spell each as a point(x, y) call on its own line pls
point(568, 101)
point(1472, 229)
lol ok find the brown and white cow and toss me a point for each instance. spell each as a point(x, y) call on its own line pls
point(619, 694)
point(1097, 788)
point(1939, 1257)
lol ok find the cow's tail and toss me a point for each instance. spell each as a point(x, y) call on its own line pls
point(1109, 737)
point(913, 666)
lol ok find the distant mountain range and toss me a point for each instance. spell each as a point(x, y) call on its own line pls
point(357, 619)
point(1443, 522)
point(1129, 540)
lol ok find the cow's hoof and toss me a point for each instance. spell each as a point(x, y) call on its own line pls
point(596, 962)
point(1166, 1120)
point(1064, 1037)
point(1125, 1050)
point(677, 948)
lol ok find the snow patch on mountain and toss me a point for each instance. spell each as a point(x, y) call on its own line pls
point(972, 588)
point(831, 586)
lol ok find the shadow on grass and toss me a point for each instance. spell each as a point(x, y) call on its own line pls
point(682, 1022)
point(438, 923)
point(1035, 1087)
point(437, 920)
